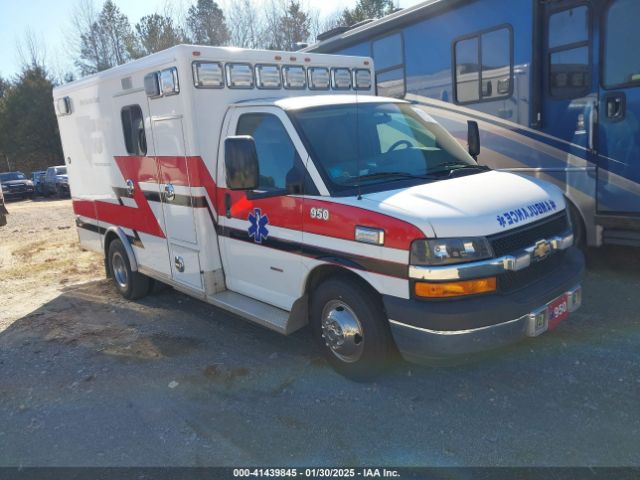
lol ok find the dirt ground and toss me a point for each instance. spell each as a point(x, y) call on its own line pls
point(89, 379)
point(39, 256)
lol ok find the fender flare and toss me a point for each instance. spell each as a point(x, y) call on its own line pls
point(127, 246)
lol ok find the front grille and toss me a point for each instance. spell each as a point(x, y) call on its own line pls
point(522, 237)
point(512, 281)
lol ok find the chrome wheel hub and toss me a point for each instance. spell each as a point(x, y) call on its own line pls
point(342, 331)
point(119, 270)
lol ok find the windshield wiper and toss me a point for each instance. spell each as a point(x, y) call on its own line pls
point(400, 175)
point(454, 167)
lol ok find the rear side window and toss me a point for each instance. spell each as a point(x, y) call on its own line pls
point(135, 139)
point(569, 50)
point(621, 59)
point(483, 66)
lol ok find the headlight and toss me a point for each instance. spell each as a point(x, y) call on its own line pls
point(446, 251)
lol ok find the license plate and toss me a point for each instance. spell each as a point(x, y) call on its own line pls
point(558, 311)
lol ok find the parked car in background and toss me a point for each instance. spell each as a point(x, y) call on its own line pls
point(56, 182)
point(3, 211)
point(38, 179)
point(16, 185)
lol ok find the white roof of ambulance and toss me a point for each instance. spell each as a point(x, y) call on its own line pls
point(221, 54)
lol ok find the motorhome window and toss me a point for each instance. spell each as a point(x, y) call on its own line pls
point(388, 56)
point(569, 26)
point(621, 64)
point(483, 66)
point(277, 156)
point(391, 83)
point(568, 60)
point(387, 52)
point(467, 70)
point(133, 130)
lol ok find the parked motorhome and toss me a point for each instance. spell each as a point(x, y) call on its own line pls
point(554, 85)
point(275, 185)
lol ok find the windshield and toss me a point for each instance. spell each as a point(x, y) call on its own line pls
point(377, 143)
point(7, 177)
point(61, 171)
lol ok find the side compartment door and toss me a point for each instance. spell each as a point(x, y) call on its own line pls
point(261, 230)
point(134, 181)
point(176, 197)
point(619, 119)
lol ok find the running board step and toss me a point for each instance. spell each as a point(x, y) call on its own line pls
point(629, 238)
point(254, 310)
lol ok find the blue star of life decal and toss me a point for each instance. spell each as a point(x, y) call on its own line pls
point(258, 226)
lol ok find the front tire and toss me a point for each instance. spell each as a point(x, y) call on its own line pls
point(349, 324)
point(131, 285)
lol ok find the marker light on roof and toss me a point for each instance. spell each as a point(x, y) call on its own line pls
point(239, 75)
point(362, 79)
point(267, 76)
point(341, 78)
point(169, 81)
point(294, 77)
point(318, 78)
point(207, 75)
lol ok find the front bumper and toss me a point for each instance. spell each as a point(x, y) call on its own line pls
point(426, 330)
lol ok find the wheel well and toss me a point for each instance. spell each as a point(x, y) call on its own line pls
point(108, 238)
point(324, 272)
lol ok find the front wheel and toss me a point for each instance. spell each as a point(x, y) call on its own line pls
point(131, 285)
point(349, 324)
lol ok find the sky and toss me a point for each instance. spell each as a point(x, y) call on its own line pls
point(49, 21)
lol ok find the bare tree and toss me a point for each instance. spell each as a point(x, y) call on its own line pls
point(31, 50)
point(246, 25)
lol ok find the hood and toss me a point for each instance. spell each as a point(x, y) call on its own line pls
point(473, 205)
point(17, 182)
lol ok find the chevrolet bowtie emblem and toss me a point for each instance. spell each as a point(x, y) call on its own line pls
point(541, 250)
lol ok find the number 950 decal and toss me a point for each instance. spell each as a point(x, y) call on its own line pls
point(320, 213)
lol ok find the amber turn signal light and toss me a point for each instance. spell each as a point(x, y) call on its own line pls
point(455, 289)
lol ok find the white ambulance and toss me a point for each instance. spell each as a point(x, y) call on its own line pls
point(276, 186)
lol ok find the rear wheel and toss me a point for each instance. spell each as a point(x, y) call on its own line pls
point(349, 324)
point(131, 285)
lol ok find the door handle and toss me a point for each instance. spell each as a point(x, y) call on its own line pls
point(179, 263)
point(169, 192)
point(227, 205)
point(131, 187)
point(615, 106)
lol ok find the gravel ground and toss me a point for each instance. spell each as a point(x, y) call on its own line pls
point(88, 379)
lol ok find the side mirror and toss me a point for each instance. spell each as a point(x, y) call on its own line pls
point(473, 138)
point(241, 163)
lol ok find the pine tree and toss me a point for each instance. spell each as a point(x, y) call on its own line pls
point(158, 32)
point(207, 24)
point(366, 9)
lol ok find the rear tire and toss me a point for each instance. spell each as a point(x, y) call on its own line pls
point(131, 285)
point(349, 325)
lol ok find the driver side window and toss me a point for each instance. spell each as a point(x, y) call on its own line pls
point(277, 156)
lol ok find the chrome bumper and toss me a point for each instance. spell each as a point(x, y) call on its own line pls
point(494, 266)
point(417, 344)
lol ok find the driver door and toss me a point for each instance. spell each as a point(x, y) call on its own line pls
point(261, 230)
